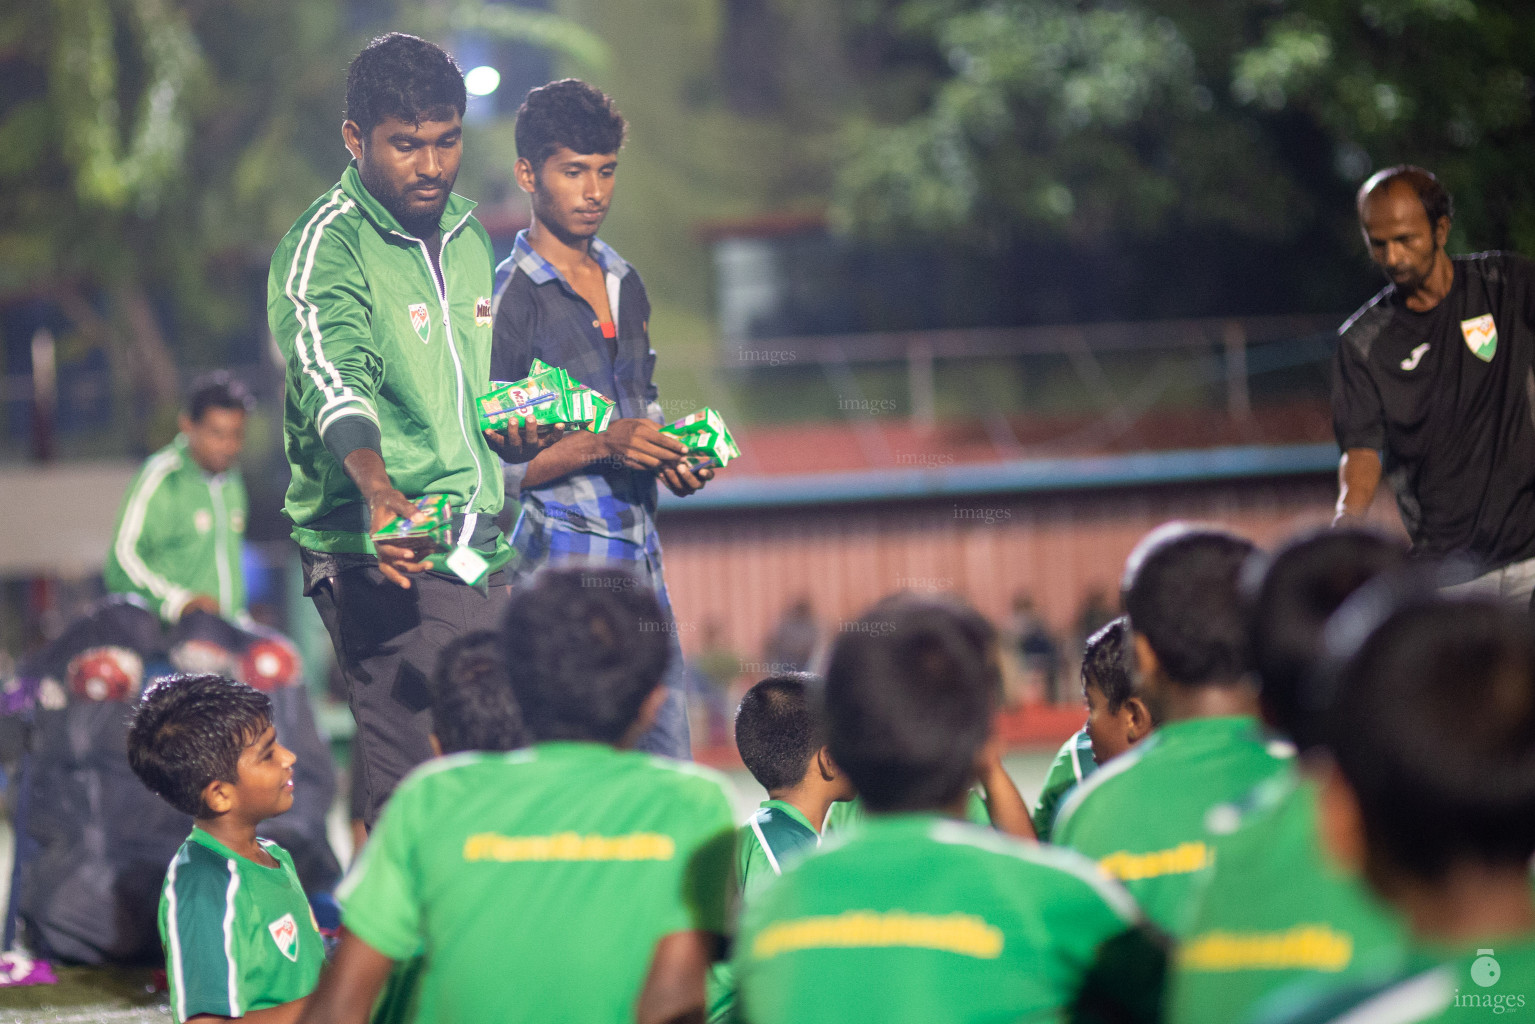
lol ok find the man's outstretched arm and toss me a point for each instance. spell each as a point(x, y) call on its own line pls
point(1358, 477)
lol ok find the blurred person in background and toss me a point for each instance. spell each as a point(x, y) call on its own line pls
point(177, 543)
point(1038, 651)
point(1432, 386)
point(792, 646)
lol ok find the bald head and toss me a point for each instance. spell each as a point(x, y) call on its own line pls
point(1434, 197)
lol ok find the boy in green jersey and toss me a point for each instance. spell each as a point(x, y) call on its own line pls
point(1142, 818)
point(781, 745)
point(1274, 909)
point(571, 880)
point(239, 937)
point(1434, 721)
point(1116, 720)
point(472, 710)
point(994, 799)
point(917, 915)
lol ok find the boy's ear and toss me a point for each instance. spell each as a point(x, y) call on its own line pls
point(1140, 719)
point(1339, 821)
point(184, 423)
point(218, 797)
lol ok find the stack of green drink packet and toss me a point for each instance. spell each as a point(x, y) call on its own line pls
point(433, 534)
point(710, 445)
point(549, 397)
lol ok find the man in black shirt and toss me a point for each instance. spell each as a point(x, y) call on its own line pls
point(1433, 387)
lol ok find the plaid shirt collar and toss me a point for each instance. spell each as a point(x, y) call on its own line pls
point(541, 271)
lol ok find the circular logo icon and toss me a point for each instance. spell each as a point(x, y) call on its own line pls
point(1484, 969)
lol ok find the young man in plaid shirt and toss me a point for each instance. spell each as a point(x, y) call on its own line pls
point(567, 298)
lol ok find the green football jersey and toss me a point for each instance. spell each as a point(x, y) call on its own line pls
point(238, 936)
point(1073, 763)
point(773, 838)
point(1142, 817)
point(537, 883)
point(846, 813)
point(1274, 910)
point(1470, 984)
point(914, 917)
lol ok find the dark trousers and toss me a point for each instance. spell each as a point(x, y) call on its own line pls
point(387, 641)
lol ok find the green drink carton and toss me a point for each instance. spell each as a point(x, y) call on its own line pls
point(434, 534)
point(708, 440)
point(529, 397)
point(549, 397)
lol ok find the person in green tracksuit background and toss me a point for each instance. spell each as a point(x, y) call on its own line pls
point(178, 535)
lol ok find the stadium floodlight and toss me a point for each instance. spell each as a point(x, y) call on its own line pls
point(482, 81)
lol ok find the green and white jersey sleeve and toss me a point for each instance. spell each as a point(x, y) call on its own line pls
point(776, 836)
point(238, 936)
point(1073, 763)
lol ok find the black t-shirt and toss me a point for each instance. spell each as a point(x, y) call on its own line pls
point(1447, 397)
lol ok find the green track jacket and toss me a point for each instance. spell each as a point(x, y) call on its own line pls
point(178, 535)
point(380, 355)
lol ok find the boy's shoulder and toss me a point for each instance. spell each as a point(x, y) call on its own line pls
point(1106, 788)
point(552, 767)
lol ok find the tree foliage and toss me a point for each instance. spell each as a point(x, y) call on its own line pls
point(1084, 119)
point(153, 151)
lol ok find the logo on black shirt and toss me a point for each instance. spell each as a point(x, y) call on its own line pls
point(1411, 362)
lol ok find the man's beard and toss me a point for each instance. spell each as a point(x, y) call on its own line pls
point(422, 222)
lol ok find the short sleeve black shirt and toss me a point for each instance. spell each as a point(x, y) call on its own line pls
point(1447, 397)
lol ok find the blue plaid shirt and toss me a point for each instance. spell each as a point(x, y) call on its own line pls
point(603, 515)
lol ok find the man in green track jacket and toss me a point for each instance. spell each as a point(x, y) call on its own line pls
point(379, 297)
point(177, 543)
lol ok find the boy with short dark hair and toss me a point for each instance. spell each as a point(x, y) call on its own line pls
point(1434, 721)
point(1143, 817)
point(573, 880)
point(994, 800)
point(472, 703)
point(1116, 720)
point(1274, 909)
point(783, 747)
point(237, 930)
point(917, 915)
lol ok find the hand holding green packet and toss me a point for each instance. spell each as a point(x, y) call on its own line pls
point(708, 440)
point(433, 534)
